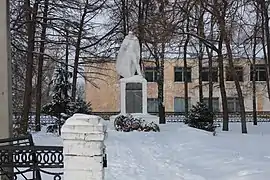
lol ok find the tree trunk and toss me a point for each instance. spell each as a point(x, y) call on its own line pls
point(265, 62)
point(127, 15)
point(124, 17)
point(265, 34)
point(77, 55)
point(40, 66)
point(220, 16)
point(210, 86)
point(140, 27)
point(254, 96)
point(200, 57)
point(66, 62)
point(162, 118)
point(210, 65)
point(30, 16)
point(254, 102)
point(235, 77)
point(185, 71)
point(225, 125)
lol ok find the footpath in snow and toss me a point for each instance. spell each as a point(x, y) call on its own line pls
point(182, 153)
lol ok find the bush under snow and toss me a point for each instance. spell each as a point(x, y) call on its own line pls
point(129, 123)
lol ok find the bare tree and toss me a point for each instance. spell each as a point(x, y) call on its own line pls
point(216, 46)
point(254, 97)
point(185, 69)
point(40, 65)
point(30, 16)
point(160, 27)
point(264, 6)
point(200, 32)
point(210, 65)
point(225, 31)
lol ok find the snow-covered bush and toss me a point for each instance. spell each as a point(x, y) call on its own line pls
point(61, 105)
point(80, 106)
point(129, 123)
point(63, 109)
point(201, 117)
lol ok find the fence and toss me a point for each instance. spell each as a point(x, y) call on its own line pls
point(21, 159)
point(44, 119)
point(82, 156)
point(262, 116)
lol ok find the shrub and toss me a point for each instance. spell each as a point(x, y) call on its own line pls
point(129, 123)
point(61, 105)
point(81, 106)
point(201, 117)
point(63, 110)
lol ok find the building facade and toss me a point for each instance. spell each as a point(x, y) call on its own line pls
point(103, 89)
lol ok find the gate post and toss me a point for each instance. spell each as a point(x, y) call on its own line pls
point(5, 73)
point(5, 77)
point(83, 141)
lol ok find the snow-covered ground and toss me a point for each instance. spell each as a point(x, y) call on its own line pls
point(182, 153)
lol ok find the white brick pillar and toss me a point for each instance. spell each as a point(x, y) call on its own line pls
point(83, 139)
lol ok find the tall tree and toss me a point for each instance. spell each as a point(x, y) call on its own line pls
point(200, 31)
point(86, 40)
point(225, 31)
point(77, 50)
point(255, 41)
point(161, 23)
point(185, 69)
point(30, 16)
point(40, 65)
point(210, 65)
point(264, 7)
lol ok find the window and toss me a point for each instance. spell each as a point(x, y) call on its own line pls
point(179, 104)
point(179, 75)
point(205, 74)
point(152, 105)
point(215, 102)
point(260, 72)
point(233, 104)
point(239, 73)
point(151, 74)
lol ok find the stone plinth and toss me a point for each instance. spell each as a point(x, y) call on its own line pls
point(123, 96)
point(83, 140)
point(134, 79)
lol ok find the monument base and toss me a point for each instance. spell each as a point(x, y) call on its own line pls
point(147, 117)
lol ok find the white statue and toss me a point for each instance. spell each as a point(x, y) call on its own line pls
point(128, 58)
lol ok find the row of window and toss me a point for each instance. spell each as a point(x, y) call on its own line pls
point(260, 74)
point(179, 104)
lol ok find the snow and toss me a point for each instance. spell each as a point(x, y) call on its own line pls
point(82, 119)
point(179, 152)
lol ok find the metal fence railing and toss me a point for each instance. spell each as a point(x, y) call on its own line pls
point(262, 116)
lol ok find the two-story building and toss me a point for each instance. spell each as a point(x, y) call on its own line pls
point(103, 90)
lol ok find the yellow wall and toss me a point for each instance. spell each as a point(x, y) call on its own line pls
point(102, 89)
point(106, 96)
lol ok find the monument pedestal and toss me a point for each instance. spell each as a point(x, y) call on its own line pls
point(133, 95)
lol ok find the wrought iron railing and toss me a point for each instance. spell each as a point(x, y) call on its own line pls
point(262, 116)
point(20, 159)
